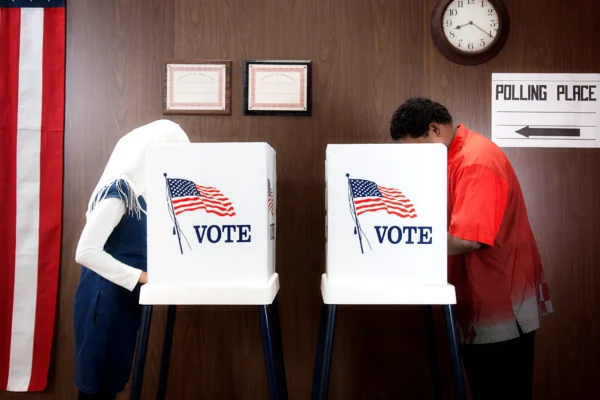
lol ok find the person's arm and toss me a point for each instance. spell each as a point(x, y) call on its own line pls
point(461, 246)
point(90, 249)
point(479, 201)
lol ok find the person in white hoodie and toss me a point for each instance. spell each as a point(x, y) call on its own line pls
point(112, 252)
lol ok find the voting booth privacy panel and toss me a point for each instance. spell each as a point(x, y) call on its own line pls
point(386, 224)
point(211, 240)
point(211, 224)
point(386, 232)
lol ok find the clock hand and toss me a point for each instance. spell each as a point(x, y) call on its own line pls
point(460, 26)
point(487, 33)
point(463, 25)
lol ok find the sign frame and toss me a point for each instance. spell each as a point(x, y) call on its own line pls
point(545, 110)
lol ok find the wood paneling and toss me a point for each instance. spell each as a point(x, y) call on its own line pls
point(368, 57)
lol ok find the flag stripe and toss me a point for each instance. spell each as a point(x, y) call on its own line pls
point(51, 159)
point(379, 200)
point(389, 190)
point(208, 189)
point(399, 200)
point(270, 197)
point(383, 208)
point(10, 27)
point(379, 203)
point(28, 197)
point(208, 210)
point(191, 202)
point(406, 204)
point(222, 201)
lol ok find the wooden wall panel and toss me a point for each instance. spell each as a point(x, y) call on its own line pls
point(368, 55)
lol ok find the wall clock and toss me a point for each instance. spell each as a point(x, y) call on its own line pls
point(469, 32)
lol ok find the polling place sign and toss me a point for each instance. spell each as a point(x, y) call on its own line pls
point(546, 110)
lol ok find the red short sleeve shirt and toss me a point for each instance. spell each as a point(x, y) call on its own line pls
point(500, 287)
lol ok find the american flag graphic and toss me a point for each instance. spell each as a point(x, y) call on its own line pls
point(370, 197)
point(189, 196)
point(32, 93)
point(270, 197)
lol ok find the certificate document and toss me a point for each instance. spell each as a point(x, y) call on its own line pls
point(277, 87)
point(196, 87)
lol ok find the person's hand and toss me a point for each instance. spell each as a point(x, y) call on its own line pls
point(143, 278)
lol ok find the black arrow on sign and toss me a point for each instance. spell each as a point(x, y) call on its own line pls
point(566, 132)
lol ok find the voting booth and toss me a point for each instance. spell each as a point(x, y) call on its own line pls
point(211, 211)
point(386, 235)
point(386, 225)
point(211, 224)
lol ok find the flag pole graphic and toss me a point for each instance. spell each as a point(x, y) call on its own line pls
point(357, 227)
point(176, 227)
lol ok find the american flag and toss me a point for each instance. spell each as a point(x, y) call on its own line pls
point(370, 197)
point(32, 81)
point(270, 197)
point(189, 196)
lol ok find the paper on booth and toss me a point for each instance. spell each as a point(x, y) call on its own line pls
point(211, 214)
point(386, 213)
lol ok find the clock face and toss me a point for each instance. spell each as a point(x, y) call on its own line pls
point(470, 25)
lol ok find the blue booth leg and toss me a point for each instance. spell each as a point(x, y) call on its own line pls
point(432, 352)
point(166, 355)
point(322, 372)
point(278, 347)
point(455, 354)
point(140, 353)
point(273, 350)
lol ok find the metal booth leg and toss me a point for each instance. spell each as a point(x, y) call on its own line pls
point(273, 350)
point(140, 353)
point(166, 355)
point(455, 354)
point(278, 347)
point(322, 371)
point(432, 352)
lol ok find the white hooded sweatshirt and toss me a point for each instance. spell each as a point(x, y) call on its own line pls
point(127, 163)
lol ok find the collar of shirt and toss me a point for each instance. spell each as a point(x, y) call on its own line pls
point(457, 143)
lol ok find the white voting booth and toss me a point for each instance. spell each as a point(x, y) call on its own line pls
point(386, 234)
point(211, 224)
point(211, 212)
point(386, 225)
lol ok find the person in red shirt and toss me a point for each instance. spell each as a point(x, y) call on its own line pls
point(493, 259)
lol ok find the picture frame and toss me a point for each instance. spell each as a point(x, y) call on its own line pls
point(277, 87)
point(197, 87)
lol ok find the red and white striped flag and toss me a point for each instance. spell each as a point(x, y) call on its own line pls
point(270, 198)
point(32, 76)
point(189, 196)
point(370, 197)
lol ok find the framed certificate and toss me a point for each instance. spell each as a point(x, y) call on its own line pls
point(277, 88)
point(197, 87)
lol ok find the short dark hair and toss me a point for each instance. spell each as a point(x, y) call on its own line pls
point(414, 116)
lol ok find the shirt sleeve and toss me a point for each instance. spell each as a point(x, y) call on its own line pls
point(478, 204)
point(90, 249)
